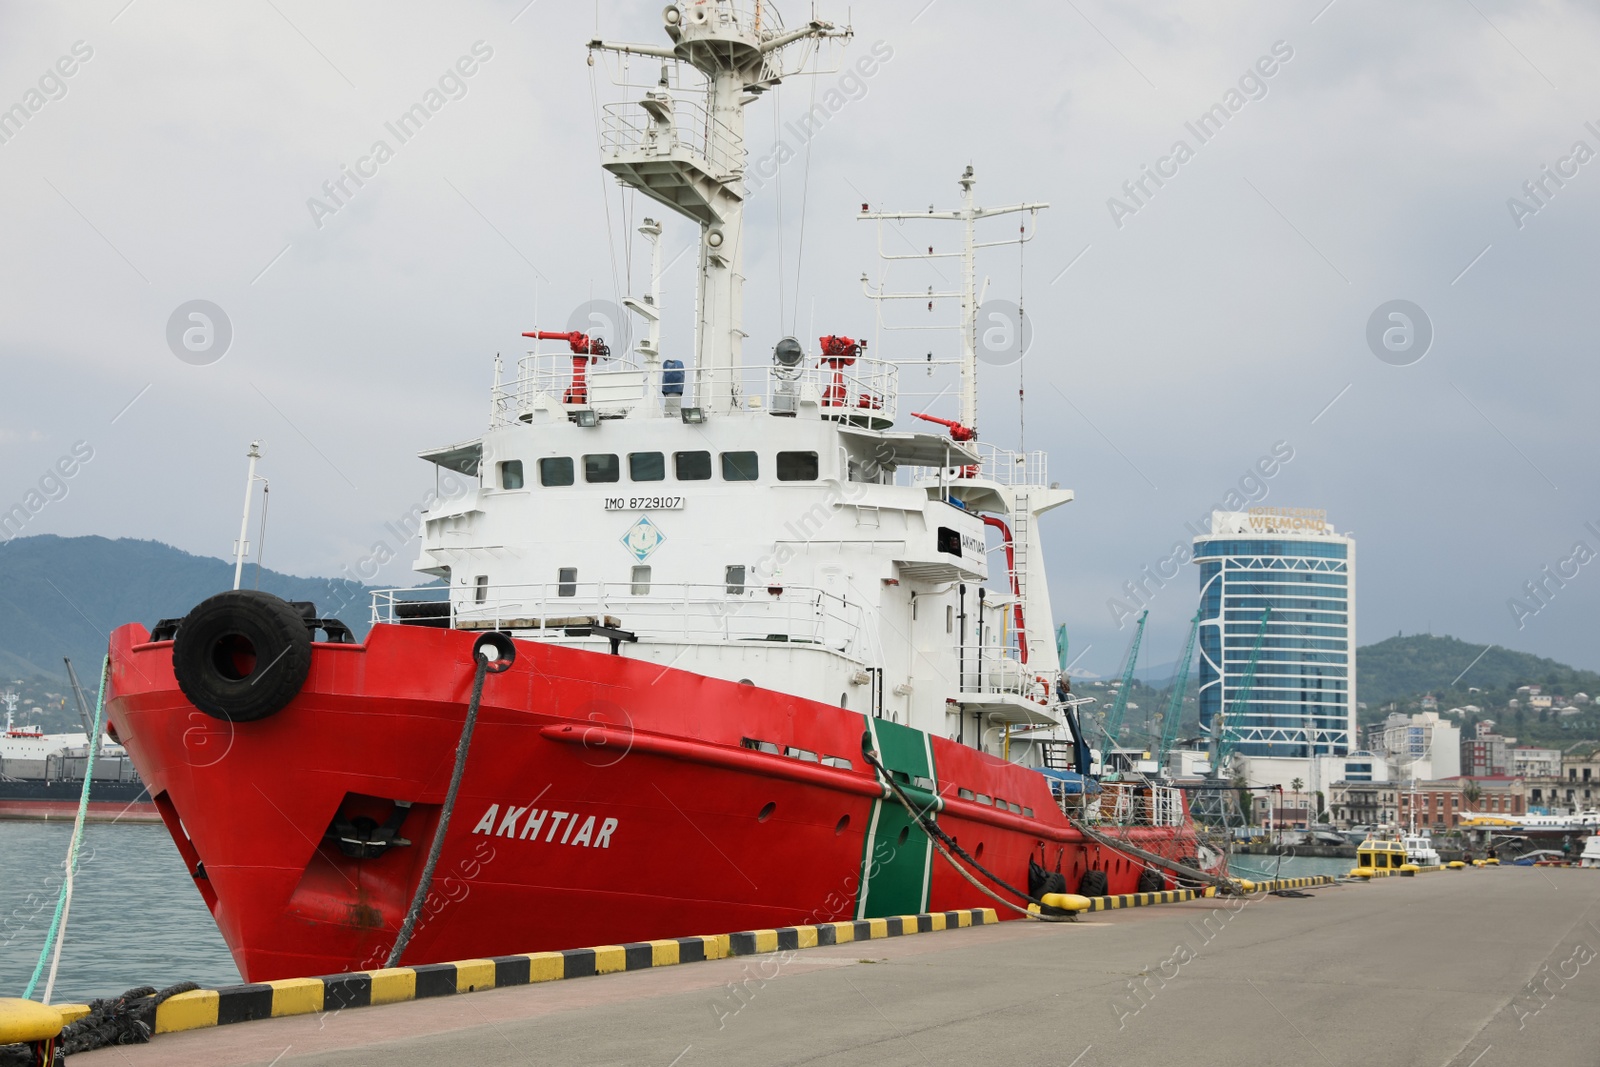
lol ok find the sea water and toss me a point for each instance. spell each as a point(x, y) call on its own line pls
point(136, 917)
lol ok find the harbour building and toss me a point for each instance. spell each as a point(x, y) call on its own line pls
point(1303, 700)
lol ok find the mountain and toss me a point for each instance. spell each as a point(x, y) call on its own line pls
point(62, 596)
point(1402, 668)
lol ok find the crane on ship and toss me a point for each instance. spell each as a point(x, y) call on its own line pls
point(1180, 686)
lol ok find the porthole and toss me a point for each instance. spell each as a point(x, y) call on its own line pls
point(905, 832)
point(842, 825)
point(766, 812)
point(977, 853)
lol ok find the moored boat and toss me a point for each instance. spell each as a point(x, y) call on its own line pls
point(721, 646)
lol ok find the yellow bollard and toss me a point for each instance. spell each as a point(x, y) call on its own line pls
point(24, 1022)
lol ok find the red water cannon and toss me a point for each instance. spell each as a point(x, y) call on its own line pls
point(958, 432)
point(581, 343)
point(838, 352)
point(584, 348)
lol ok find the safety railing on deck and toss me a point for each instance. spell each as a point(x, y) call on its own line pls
point(659, 612)
point(999, 669)
point(665, 126)
point(865, 391)
point(1001, 465)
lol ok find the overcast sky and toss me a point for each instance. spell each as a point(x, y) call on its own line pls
point(1178, 338)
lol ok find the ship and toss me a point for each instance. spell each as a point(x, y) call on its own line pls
point(712, 645)
point(41, 774)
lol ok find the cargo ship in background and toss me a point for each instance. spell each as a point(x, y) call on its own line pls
point(41, 775)
point(771, 644)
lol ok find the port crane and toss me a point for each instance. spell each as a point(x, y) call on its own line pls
point(1119, 703)
point(1180, 686)
point(1225, 735)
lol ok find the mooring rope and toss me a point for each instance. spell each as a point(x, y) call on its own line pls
point(425, 884)
point(1224, 885)
point(939, 839)
point(56, 935)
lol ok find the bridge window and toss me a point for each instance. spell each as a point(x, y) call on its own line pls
point(557, 471)
point(647, 466)
point(795, 466)
point(641, 581)
point(480, 588)
point(601, 468)
point(692, 466)
point(739, 467)
point(734, 579)
point(567, 581)
point(511, 474)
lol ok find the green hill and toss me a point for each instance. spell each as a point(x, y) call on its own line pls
point(1403, 668)
point(62, 596)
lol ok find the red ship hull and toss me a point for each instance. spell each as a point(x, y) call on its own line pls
point(605, 800)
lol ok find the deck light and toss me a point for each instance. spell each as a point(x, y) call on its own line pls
point(587, 417)
point(694, 416)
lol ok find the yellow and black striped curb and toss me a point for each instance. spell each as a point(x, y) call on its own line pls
point(1422, 870)
point(308, 996)
point(1074, 902)
point(1288, 883)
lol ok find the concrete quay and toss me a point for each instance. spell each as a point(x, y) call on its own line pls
point(1474, 968)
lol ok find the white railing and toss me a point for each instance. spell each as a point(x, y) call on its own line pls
point(866, 391)
point(1013, 468)
point(1001, 465)
point(999, 670)
point(612, 385)
point(662, 127)
point(675, 613)
point(863, 393)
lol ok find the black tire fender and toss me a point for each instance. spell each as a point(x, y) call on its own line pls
point(1152, 881)
point(242, 655)
point(1093, 884)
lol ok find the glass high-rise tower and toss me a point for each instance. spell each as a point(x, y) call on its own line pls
point(1303, 700)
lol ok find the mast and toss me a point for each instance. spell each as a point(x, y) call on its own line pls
point(968, 216)
point(241, 547)
point(691, 156)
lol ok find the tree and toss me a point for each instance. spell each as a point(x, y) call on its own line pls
point(1471, 793)
point(1297, 785)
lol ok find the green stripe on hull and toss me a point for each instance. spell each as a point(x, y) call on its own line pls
point(896, 858)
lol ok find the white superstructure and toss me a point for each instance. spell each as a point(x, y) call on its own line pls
point(785, 524)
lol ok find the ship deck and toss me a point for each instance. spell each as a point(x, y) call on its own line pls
point(1437, 970)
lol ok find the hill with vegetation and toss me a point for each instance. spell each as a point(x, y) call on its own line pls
point(1469, 684)
point(62, 596)
point(1402, 668)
